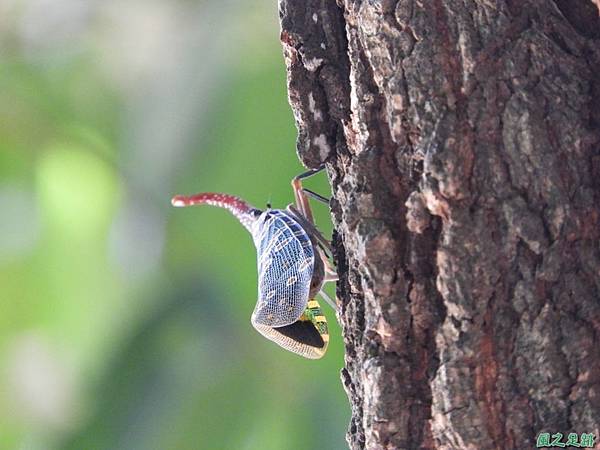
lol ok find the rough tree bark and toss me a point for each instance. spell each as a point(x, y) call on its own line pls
point(462, 144)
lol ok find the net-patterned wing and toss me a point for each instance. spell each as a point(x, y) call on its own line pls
point(307, 337)
point(285, 269)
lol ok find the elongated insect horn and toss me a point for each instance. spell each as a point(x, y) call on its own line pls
point(243, 211)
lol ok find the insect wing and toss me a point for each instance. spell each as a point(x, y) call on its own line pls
point(285, 268)
point(307, 337)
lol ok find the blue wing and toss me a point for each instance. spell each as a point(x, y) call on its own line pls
point(285, 267)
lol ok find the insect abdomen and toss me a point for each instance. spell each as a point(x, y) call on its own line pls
point(308, 336)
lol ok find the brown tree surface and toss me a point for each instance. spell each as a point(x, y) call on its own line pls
point(462, 144)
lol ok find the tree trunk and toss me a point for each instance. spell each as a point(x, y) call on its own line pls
point(462, 144)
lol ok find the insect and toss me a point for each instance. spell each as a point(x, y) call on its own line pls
point(293, 264)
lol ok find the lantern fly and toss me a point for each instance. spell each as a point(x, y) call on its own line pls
point(293, 265)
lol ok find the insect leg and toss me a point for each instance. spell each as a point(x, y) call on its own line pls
point(330, 274)
point(316, 196)
point(310, 173)
point(300, 194)
point(299, 191)
point(301, 200)
point(328, 300)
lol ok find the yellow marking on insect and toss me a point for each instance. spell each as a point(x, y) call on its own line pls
point(325, 338)
point(313, 304)
point(320, 319)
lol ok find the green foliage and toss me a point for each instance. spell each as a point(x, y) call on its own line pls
point(95, 355)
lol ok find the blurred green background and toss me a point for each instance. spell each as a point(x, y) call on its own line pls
point(124, 322)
